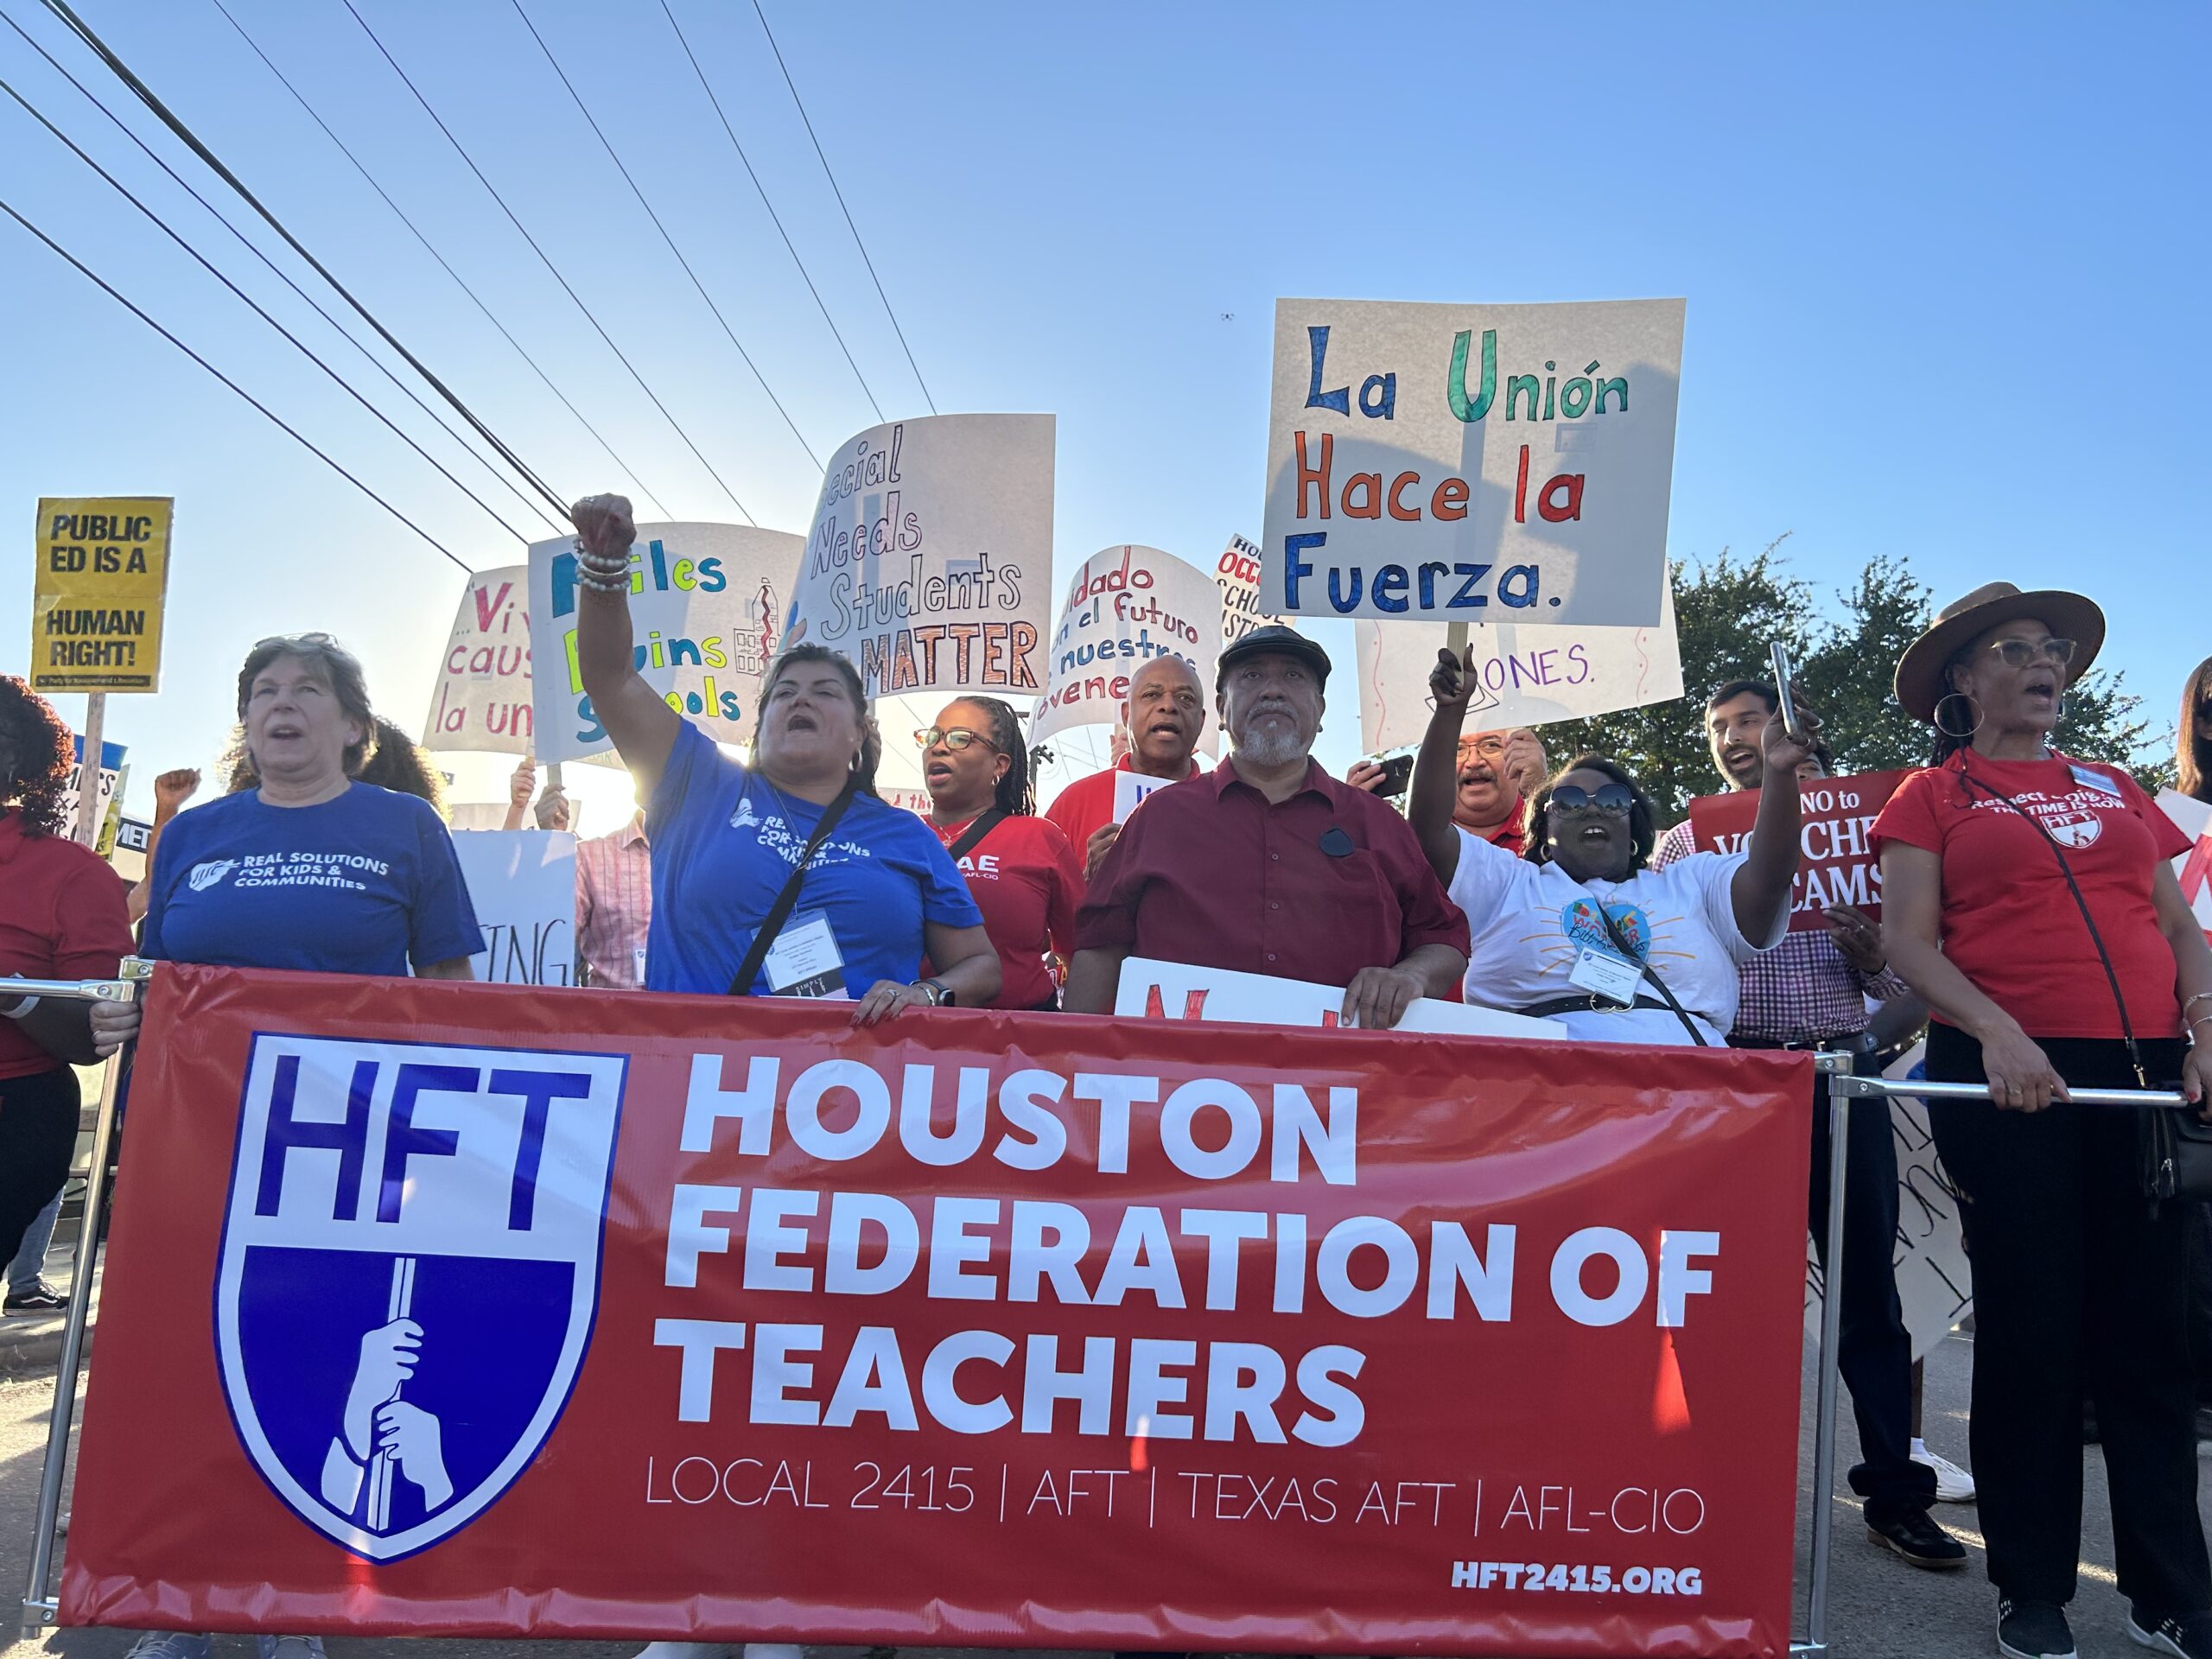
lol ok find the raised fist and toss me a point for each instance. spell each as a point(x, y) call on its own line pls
point(605, 526)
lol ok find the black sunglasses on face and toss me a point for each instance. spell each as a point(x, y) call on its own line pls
point(1614, 799)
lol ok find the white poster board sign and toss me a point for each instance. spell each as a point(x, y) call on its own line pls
point(706, 611)
point(110, 779)
point(1238, 575)
point(1934, 1278)
point(523, 883)
point(482, 699)
point(2193, 869)
point(929, 563)
point(1129, 788)
point(1127, 606)
point(1471, 463)
point(1172, 990)
point(1525, 675)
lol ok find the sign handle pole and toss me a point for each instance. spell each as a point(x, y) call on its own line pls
point(39, 1607)
point(1834, 1069)
point(1455, 635)
point(88, 770)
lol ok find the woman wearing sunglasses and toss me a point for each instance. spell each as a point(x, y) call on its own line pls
point(2030, 898)
point(1578, 928)
point(2193, 736)
point(1022, 873)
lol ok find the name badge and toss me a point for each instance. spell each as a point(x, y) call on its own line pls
point(804, 960)
point(1606, 974)
point(2095, 780)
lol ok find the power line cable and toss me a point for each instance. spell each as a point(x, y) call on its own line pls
point(544, 259)
point(593, 124)
point(342, 383)
point(848, 212)
point(430, 248)
point(773, 216)
point(293, 432)
point(145, 95)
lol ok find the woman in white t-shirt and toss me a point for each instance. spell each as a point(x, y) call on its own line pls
point(1580, 928)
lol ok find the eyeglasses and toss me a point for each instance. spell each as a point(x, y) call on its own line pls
point(1615, 800)
point(954, 738)
point(2019, 653)
point(1486, 743)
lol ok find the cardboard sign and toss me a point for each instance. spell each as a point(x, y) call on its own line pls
point(111, 781)
point(101, 577)
point(523, 885)
point(1471, 463)
point(482, 699)
point(1238, 575)
point(1836, 862)
point(1126, 607)
point(714, 1318)
point(1174, 990)
point(706, 604)
point(929, 560)
point(1129, 788)
point(2193, 869)
point(1525, 675)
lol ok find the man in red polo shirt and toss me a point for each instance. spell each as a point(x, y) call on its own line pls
point(1268, 865)
point(1163, 714)
point(1498, 771)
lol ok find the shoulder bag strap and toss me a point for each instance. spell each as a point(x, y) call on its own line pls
point(985, 822)
point(1613, 933)
point(2127, 1029)
point(780, 912)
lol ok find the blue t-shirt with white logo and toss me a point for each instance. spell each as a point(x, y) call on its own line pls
point(363, 883)
point(724, 843)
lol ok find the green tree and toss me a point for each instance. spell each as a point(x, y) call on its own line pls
point(1727, 613)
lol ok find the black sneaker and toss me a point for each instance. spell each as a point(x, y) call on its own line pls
point(41, 1297)
point(2034, 1629)
point(2184, 1638)
point(1916, 1538)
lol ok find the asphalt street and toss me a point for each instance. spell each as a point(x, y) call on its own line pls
point(1879, 1607)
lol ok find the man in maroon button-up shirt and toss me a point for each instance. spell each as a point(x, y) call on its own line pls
point(1268, 865)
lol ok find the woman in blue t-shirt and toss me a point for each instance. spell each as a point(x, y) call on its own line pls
point(877, 895)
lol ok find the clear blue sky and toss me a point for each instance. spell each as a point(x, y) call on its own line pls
point(1945, 268)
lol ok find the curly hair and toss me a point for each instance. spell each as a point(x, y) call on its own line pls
point(1642, 819)
point(1015, 794)
point(38, 746)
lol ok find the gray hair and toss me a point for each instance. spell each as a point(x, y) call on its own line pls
point(338, 668)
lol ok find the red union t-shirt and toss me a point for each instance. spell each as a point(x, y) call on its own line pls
point(1028, 881)
point(2009, 922)
point(1086, 806)
point(62, 916)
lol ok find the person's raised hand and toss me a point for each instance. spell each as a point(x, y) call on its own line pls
point(523, 784)
point(553, 808)
point(1451, 682)
point(173, 789)
point(1365, 774)
point(1524, 763)
point(1785, 753)
point(1377, 998)
point(605, 526)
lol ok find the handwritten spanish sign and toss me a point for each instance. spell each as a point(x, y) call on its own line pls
point(930, 560)
point(1525, 674)
point(483, 696)
point(1836, 863)
point(101, 578)
point(1471, 463)
point(1126, 607)
point(1238, 575)
point(706, 602)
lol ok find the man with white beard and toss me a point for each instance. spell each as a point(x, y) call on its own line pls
point(1268, 865)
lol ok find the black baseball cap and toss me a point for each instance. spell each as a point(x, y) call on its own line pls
point(1274, 637)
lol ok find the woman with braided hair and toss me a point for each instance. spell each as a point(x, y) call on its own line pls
point(1024, 874)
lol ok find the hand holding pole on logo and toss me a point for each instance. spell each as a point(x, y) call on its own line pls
point(410, 1436)
point(389, 1354)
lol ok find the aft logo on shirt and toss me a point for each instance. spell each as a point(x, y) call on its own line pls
point(2074, 830)
point(744, 817)
point(205, 876)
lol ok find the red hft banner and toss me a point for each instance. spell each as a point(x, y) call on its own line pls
point(1836, 863)
point(466, 1310)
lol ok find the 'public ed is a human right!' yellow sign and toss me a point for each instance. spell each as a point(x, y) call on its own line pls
point(102, 572)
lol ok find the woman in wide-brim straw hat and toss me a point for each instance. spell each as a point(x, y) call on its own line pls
point(2028, 897)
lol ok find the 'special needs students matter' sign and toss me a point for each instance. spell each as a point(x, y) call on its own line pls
point(1471, 463)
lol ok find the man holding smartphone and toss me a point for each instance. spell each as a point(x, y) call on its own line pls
point(1498, 771)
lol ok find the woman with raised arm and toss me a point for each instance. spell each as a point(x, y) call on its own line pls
point(858, 892)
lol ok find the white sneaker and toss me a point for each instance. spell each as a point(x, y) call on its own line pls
point(287, 1647)
point(170, 1644)
point(1953, 1483)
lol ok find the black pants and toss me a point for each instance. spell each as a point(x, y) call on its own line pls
point(2080, 1291)
point(38, 1133)
point(1873, 1352)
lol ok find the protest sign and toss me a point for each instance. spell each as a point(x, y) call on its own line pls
point(523, 885)
point(1106, 1334)
point(101, 578)
point(482, 699)
point(1463, 463)
point(706, 608)
point(2193, 869)
point(1175, 990)
point(1238, 575)
point(110, 780)
point(1126, 607)
point(1836, 860)
point(929, 560)
point(1525, 675)
point(1129, 788)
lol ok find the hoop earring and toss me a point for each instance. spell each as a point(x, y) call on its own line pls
point(1947, 726)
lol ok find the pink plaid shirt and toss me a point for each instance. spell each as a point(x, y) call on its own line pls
point(1802, 990)
point(614, 906)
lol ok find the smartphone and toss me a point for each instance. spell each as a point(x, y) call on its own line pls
point(1397, 772)
point(1786, 703)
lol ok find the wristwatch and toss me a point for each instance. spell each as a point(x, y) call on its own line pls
point(939, 994)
